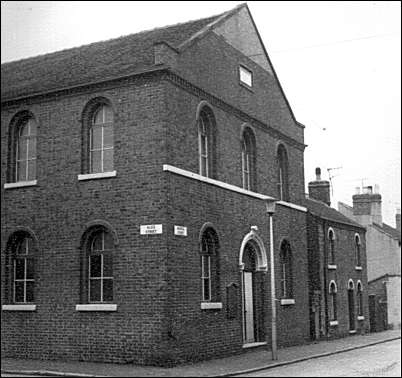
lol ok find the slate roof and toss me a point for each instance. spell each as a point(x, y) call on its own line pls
point(94, 62)
point(393, 232)
point(322, 210)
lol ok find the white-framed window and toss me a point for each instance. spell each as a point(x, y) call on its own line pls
point(26, 151)
point(357, 250)
point(359, 295)
point(23, 266)
point(286, 270)
point(203, 140)
point(206, 277)
point(246, 76)
point(332, 301)
point(331, 246)
point(101, 140)
point(282, 173)
point(246, 165)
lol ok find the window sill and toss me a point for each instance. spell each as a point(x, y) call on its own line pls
point(96, 307)
point(352, 331)
point(20, 184)
point(360, 318)
point(211, 305)
point(251, 345)
point(19, 307)
point(333, 323)
point(287, 302)
point(94, 176)
point(358, 268)
point(332, 267)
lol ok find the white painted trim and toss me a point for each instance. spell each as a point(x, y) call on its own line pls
point(19, 307)
point(287, 302)
point(332, 267)
point(20, 184)
point(358, 268)
point(211, 305)
point(96, 307)
point(251, 345)
point(100, 175)
point(352, 331)
point(333, 323)
point(261, 253)
point(292, 206)
point(359, 317)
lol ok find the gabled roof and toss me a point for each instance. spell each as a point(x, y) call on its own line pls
point(324, 211)
point(391, 231)
point(94, 62)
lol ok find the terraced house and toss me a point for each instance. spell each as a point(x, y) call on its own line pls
point(136, 174)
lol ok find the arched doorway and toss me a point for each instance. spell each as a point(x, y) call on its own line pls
point(351, 305)
point(253, 268)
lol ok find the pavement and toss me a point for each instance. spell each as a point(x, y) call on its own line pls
point(250, 361)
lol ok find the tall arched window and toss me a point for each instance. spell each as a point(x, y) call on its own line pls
point(248, 159)
point(359, 295)
point(206, 141)
point(26, 151)
point(331, 246)
point(210, 290)
point(286, 270)
point(332, 301)
point(282, 175)
point(99, 251)
point(357, 250)
point(101, 140)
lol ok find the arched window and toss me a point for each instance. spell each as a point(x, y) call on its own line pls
point(282, 168)
point(209, 266)
point(357, 250)
point(20, 269)
point(248, 159)
point(99, 255)
point(331, 246)
point(101, 140)
point(359, 295)
point(332, 301)
point(286, 270)
point(206, 141)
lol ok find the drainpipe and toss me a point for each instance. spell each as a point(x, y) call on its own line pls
point(324, 225)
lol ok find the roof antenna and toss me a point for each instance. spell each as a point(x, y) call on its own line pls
point(331, 176)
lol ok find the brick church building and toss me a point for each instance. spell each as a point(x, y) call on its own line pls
point(135, 177)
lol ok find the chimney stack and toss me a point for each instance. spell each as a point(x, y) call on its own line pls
point(319, 189)
point(367, 206)
point(398, 219)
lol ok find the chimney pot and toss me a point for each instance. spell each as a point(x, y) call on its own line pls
point(357, 190)
point(318, 174)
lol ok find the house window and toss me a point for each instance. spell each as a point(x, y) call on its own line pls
point(359, 299)
point(357, 250)
point(23, 271)
point(331, 241)
point(246, 76)
point(209, 266)
point(101, 140)
point(248, 159)
point(332, 301)
point(282, 173)
point(286, 270)
point(206, 130)
point(26, 151)
point(100, 267)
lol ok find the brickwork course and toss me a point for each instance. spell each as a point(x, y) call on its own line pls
point(156, 83)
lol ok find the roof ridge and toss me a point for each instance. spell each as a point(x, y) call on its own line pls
point(111, 39)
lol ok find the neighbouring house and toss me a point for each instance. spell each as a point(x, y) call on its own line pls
point(337, 267)
point(383, 243)
point(135, 174)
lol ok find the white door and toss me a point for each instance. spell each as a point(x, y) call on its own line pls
point(248, 307)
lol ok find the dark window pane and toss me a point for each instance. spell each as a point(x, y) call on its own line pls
point(30, 291)
point(19, 269)
point(107, 290)
point(22, 149)
point(30, 269)
point(22, 246)
point(94, 290)
point(95, 266)
point(205, 266)
point(31, 148)
point(97, 242)
point(31, 169)
point(206, 290)
point(98, 117)
point(108, 240)
point(21, 171)
point(96, 138)
point(96, 164)
point(108, 114)
point(24, 129)
point(32, 127)
point(107, 265)
point(19, 291)
point(108, 136)
point(204, 166)
point(203, 145)
point(108, 160)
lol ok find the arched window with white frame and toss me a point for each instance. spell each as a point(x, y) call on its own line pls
point(286, 273)
point(282, 173)
point(331, 246)
point(248, 152)
point(332, 301)
point(357, 250)
point(359, 295)
point(206, 141)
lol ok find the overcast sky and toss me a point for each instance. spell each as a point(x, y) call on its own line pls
point(339, 64)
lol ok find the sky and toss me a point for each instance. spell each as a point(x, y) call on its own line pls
point(339, 64)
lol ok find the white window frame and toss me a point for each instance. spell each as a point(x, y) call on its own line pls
point(29, 137)
point(331, 251)
point(205, 277)
point(246, 76)
point(358, 257)
point(203, 133)
point(25, 279)
point(332, 293)
point(246, 166)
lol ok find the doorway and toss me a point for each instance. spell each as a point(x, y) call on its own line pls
point(351, 305)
